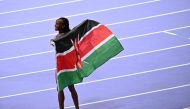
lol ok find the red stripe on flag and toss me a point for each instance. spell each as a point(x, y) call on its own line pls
point(93, 39)
point(89, 41)
point(67, 61)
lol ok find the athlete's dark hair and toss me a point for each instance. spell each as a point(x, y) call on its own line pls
point(66, 23)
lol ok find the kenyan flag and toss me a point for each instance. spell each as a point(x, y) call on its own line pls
point(82, 50)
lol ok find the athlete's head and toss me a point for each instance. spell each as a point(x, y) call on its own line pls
point(62, 25)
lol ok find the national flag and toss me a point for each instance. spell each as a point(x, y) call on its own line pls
point(82, 50)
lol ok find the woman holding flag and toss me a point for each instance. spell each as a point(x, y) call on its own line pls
point(62, 26)
point(79, 52)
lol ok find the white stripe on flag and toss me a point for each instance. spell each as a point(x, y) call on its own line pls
point(66, 70)
point(96, 47)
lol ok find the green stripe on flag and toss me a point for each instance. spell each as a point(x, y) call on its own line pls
point(108, 50)
point(68, 78)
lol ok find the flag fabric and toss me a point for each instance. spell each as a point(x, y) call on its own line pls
point(76, 47)
point(82, 50)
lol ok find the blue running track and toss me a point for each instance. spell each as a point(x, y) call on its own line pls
point(153, 72)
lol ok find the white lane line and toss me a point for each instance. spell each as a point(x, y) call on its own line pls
point(138, 73)
point(26, 93)
point(173, 34)
point(47, 35)
point(145, 18)
point(51, 5)
point(119, 57)
point(33, 54)
point(23, 39)
point(114, 8)
point(117, 77)
point(153, 51)
point(170, 33)
point(45, 52)
point(134, 95)
point(29, 73)
point(80, 14)
point(152, 33)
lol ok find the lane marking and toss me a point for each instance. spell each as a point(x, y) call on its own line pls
point(27, 55)
point(152, 33)
point(145, 18)
point(153, 51)
point(45, 52)
point(170, 33)
point(33, 8)
point(29, 73)
point(173, 34)
point(89, 82)
point(80, 14)
point(23, 39)
point(134, 95)
point(47, 35)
